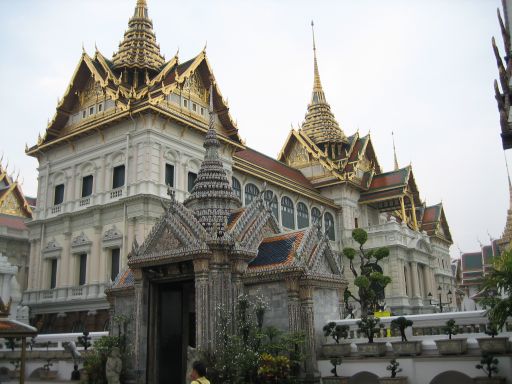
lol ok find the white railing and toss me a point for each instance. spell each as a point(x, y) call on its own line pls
point(84, 201)
point(115, 193)
point(56, 209)
point(427, 327)
point(89, 291)
point(54, 341)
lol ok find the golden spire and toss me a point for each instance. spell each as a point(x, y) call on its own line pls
point(318, 92)
point(320, 125)
point(394, 152)
point(139, 49)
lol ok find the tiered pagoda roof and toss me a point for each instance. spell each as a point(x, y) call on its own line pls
point(137, 80)
point(139, 49)
point(212, 198)
point(320, 125)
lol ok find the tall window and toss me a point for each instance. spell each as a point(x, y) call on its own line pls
point(87, 186)
point(53, 273)
point(82, 269)
point(58, 198)
point(114, 263)
point(272, 199)
point(237, 188)
point(329, 225)
point(287, 213)
point(118, 177)
point(251, 192)
point(316, 216)
point(192, 177)
point(302, 216)
point(169, 175)
point(356, 222)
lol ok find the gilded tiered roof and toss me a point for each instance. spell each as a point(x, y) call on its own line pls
point(212, 198)
point(139, 49)
point(12, 200)
point(320, 125)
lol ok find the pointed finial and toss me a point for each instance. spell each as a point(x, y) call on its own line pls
point(205, 46)
point(394, 152)
point(83, 48)
point(313, 30)
point(96, 48)
point(318, 93)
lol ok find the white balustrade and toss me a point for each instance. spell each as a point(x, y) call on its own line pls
point(116, 193)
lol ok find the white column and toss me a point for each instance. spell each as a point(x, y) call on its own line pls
point(63, 268)
point(414, 279)
point(95, 257)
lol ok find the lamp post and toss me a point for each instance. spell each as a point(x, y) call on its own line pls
point(440, 302)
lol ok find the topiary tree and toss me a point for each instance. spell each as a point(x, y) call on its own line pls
point(488, 364)
point(451, 328)
point(369, 280)
point(370, 326)
point(336, 331)
point(393, 367)
point(401, 323)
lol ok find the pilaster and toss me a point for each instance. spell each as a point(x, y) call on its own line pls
point(203, 312)
point(308, 327)
point(294, 319)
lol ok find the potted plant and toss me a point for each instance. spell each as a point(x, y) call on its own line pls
point(337, 332)
point(335, 379)
point(493, 344)
point(404, 347)
point(370, 326)
point(489, 364)
point(47, 374)
point(451, 346)
point(393, 368)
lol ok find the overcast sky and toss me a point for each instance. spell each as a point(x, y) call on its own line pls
point(422, 69)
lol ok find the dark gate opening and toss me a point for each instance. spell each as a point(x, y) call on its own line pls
point(174, 330)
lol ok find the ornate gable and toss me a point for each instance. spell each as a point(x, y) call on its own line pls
point(12, 200)
point(256, 222)
point(176, 235)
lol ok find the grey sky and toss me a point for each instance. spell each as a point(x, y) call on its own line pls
point(423, 69)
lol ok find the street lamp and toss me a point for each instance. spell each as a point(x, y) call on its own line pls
point(440, 303)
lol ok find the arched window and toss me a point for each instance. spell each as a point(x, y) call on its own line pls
point(251, 192)
point(316, 216)
point(272, 199)
point(329, 225)
point(237, 188)
point(302, 216)
point(287, 213)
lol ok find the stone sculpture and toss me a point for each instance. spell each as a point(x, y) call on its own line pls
point(114, 366)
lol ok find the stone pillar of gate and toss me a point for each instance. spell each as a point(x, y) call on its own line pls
point(294, 320)
point(307, 318)
point(203, 308)
point(141, 322)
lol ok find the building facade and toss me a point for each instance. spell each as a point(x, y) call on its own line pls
point(130, 126)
